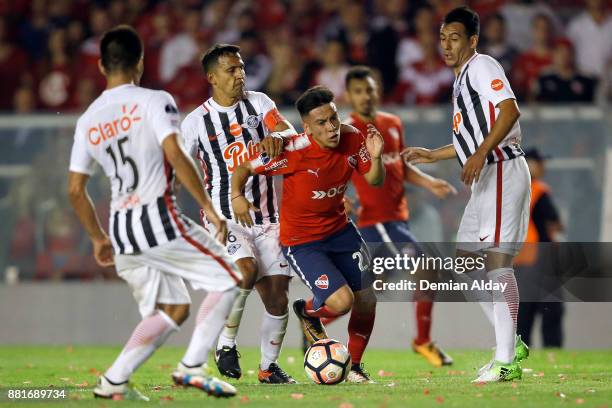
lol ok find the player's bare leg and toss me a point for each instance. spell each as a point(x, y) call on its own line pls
point(422, 343)
point(360, 328)
point(273, 291)
point(337, 304)
point(149, 335)
point(226, 355)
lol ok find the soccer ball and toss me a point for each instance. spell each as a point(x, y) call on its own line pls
point(327, 362)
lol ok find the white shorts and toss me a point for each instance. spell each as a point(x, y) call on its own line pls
point(497, 216)
point(158, 274)
point(261, 242)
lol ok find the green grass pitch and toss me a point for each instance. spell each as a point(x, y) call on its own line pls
point(403, 379)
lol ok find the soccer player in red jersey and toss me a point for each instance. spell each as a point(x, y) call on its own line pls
point(317, 237)
point(387, 220)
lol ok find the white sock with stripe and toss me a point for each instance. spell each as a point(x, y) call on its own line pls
point(505, 310)
point(230, 331)
point(210, 320)
point(272, 334)
point(150, 333)
point(483, 297)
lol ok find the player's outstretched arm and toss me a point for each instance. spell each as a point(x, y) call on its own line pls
point(437, 186)
point(189, 177)
point(375, 145)
point(508, 115)
point(417, 155)
point(85, 211)
point(240, 204)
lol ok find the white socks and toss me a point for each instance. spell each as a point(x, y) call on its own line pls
point(505, 310)
point(150, 333)
point(483, 297)
point(230, 331)
point(210, 320)
point(272, 334)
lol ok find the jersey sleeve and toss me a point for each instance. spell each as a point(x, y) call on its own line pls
point(163, 115)
point(285, 163)
point(189, 135)
point(491, 81)
point(364, 161)
point(81, 160)
point(271, 115)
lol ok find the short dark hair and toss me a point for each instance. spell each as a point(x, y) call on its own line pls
point(466, 16)
point(313, 98)
point(212, 55)
point(357, 72)
point(120, 49)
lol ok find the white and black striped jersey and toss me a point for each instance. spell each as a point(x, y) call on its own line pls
point(479, 87)
point(122, 130)
point(223, 138)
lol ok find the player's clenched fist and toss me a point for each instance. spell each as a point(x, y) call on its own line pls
point(242, 210)
point(272, 145)
point(103, 251)
point(374, 142)
point(416, 155)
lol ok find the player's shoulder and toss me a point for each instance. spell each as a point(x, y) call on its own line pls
point(347, 130)
point(485, 62)
point(195, 116)
point(258, 98)
point(388, 118)
point(298, 143)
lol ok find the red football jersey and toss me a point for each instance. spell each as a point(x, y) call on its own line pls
point(388, 202)
point(314, 181)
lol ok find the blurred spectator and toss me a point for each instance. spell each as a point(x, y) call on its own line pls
point(334, 69)
point(85, 93)
point(34, 30)
point(13, 65)
point(591, 33)
point(351, 29)
point(494, 40)
point(24, 100)
point(427, 81)
point(409, 49)
point(282, 84)
point(561, 83)
point(56, 79)
point(160, 32)
point(90, 49)
point(59, 12)
point(521, 15)
point(240, 18)
point(189, 87)
point(257, 65)
point(182, 49)
point(529, 65)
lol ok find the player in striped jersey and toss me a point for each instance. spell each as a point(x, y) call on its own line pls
point(486, 141)
point(387, 220)
point(228, 129)
point(132, 132)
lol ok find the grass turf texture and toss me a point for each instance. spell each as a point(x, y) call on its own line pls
point(553, 378)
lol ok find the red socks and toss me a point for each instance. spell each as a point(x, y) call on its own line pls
point(423, 320)
point(360, 328)
point(322, 312)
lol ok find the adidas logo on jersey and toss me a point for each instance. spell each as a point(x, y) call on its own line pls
point(332, 192)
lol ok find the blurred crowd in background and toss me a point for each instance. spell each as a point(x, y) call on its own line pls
point(555, 51)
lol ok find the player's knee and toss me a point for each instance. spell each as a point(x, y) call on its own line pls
point(178, 313)
point(277, 307)
point(341, 301)
point(248, 268)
